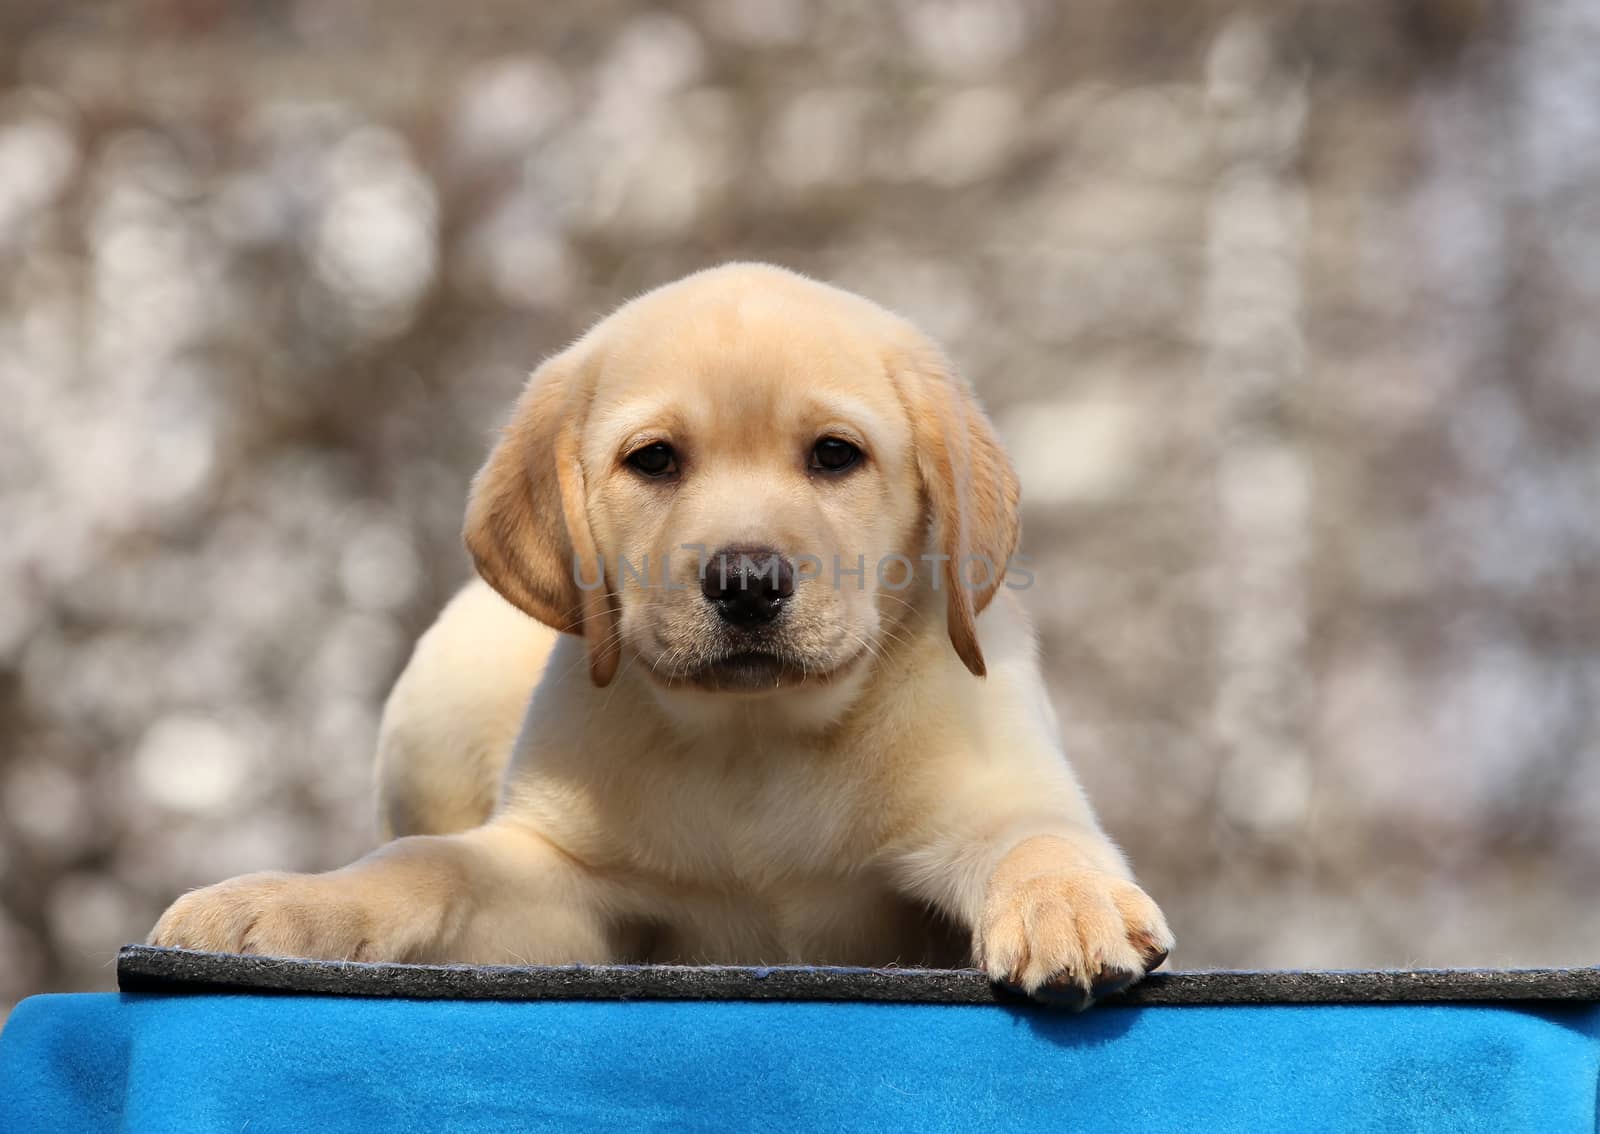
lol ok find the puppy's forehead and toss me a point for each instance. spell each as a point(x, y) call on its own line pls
point(731, 360)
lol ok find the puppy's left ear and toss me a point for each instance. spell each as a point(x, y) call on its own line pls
point(970, 486)
point(527, 519)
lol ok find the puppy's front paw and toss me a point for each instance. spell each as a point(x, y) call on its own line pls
point(280, 915)
point(1071, 936)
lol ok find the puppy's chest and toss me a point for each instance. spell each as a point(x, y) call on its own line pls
point(779, 868)
point(742, 824)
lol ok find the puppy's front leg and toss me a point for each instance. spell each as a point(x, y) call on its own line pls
point(1051, 907)
point(497, 894)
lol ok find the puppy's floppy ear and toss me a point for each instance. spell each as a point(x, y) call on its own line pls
point(971, 489)
point(527, 518)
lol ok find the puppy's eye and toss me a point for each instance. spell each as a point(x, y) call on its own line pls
point(834, 455)
point(656, 460)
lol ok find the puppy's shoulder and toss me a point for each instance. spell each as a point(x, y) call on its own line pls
point(933, 703)
point(451, 721)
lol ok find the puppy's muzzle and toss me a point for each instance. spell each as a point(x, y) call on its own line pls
point(749, 586)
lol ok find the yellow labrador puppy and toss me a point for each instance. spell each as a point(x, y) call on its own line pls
point(739, 538)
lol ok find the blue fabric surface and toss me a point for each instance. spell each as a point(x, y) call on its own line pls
point(265, 1063)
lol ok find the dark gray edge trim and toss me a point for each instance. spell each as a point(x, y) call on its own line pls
point(143, 968)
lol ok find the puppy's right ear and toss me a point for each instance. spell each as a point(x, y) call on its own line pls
point(971, 489)
point(528, 522)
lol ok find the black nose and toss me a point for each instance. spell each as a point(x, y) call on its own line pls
point(749, 585)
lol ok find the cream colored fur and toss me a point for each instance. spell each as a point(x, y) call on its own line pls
point(896, 796)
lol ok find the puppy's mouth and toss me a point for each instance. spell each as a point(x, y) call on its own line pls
point(753, 671)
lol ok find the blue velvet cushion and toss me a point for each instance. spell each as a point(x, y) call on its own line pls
point(152, 1062)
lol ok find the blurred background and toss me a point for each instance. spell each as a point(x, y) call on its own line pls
point(1287, 312)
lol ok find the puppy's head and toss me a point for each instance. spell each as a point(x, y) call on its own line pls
point(746, 480)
